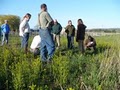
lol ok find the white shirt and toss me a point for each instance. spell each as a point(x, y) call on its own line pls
point(24, 27)
point(36, 42)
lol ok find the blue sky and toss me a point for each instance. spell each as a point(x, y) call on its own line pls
point(95, 13)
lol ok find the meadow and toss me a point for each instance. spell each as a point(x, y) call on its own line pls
point(70, 70)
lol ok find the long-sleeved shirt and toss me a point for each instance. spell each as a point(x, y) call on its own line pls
point(70, 30)
point(5, 28)
point(56, 29)
point(36, 42)
point(44, 20)
point(24, 27)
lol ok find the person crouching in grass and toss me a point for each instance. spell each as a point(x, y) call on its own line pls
point(90, 43)
point(35, 45)
point(80, 35)
point(24, 30)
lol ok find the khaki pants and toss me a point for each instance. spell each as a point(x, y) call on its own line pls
point(81, 45)
point(57, 39)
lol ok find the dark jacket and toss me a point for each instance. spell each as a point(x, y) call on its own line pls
point(56, 29)
point(80, 32)
point(70, 30)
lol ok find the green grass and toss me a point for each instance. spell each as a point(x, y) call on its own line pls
point(69, 70)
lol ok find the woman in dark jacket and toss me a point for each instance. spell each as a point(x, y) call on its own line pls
point(80, 35)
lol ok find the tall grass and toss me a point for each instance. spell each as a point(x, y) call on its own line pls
point(69, 70)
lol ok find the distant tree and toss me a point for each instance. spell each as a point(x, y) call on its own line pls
point(13, 21)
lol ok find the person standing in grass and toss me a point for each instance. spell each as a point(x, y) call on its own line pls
point(80, 35)
point(45, 23)
point(56, 29)
point(24, 30)
point(5, 32)
point(70, 30)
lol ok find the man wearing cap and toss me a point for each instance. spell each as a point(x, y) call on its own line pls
point(5, 32)
point(45, 23)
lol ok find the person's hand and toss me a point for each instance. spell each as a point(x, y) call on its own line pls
point(88, 44)
point(20, 34)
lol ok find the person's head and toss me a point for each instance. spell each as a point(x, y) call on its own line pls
point(55, 21)
point(28, 16)
point(80, 21)
point(44, 7)
point(36, 52)
point(70, 22)
point(6, 21)
point(90, 38)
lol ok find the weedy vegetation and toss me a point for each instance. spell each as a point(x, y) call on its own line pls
point(70, 70)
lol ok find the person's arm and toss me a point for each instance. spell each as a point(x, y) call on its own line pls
point(8, 28)
point(60, 28)
point(66, 29)
point(77, 34)
point(86, 42)
point(94, 42)
point(73, 31)
point(50, 20)
point(23, 23)
point(2, 26)
point(22, 27)
point(39, 25)
point(85, 26)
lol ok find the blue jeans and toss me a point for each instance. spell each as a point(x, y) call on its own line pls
point(5, 37)
point(24, 40)
point(70, 40)
point(46, 45)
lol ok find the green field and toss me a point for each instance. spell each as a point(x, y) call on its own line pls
point(69, 70)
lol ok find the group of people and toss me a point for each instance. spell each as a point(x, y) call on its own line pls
point(89, 43)
point(49, 33)
point(44, 40)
